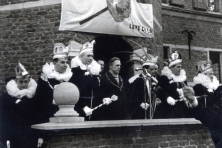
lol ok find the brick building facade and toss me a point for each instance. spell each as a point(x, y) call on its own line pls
point(29, 29)
point(196, 18)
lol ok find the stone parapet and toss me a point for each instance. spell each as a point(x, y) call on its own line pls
point(154, 133)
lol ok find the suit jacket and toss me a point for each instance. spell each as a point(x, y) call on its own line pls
point(138, 94)
point(43, 100)
point(117, 110)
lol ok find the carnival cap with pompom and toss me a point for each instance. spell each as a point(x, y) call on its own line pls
point(20, 71)
point(204, 67)
point(175, 58)
point(88, 46)
point(60, 51)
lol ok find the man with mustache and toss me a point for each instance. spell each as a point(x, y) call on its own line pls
point(85, 76)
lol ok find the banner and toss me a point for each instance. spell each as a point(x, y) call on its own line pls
point(120, 17)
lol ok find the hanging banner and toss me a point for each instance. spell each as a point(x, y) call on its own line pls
point(120, 17)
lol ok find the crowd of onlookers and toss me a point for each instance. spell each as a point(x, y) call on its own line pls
point(146, 95)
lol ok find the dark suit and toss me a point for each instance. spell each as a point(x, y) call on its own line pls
point(117, 110)
point(43, 100)
point(138, 94)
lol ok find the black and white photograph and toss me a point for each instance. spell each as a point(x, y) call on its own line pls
point(110, 73)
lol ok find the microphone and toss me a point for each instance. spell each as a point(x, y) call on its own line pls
point(148, 74)
point(137, 69)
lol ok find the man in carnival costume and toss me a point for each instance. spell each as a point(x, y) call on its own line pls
point(209, 109)
point(52, 74)
point(143, 101)
point(85, 76)
point(205, 83)
point(111, 84)
point(16, 111)
point(173, 81)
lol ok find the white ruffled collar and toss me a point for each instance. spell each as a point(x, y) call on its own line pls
point(206, 81)
point(168, 73)
point(49, 72)
point(13, 90)
point(93, 68)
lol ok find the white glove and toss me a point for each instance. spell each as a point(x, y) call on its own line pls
point(17, 101)
point(171, 101)
point(180, 92)
point(114, 97)
point(210, 90)
point(88, 111)
point(194, 103)
point(40, 142)
point(144, 105)
point(107, 101)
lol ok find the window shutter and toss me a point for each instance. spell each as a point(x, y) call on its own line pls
point(200, 4)
point(179, 3)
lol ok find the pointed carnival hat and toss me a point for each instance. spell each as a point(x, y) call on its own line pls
point(88, 46)
point(204, 67)
point(60, 51)
point(175, 58)
point(20, 71)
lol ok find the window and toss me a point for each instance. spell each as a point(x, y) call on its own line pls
point(214, 5)
point(166, 50)
point(216, 63)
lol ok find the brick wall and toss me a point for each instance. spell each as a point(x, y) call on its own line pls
point(206, 27)
point(28, 35)
point(5, 2)
point(186, 136)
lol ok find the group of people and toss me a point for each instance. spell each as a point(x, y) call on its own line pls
point(148, 95)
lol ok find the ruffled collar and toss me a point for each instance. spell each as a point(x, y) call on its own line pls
point(206, 81)
point(94, 68)
point(49, 72)
point(13, 90)
point(168, 73)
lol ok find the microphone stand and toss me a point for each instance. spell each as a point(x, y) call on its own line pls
point(149, 93)
point(150, 99)
point(144, 87)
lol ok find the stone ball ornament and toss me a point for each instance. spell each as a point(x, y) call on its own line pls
point(66, 93)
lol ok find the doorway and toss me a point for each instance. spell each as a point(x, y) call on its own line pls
point(108, 46)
